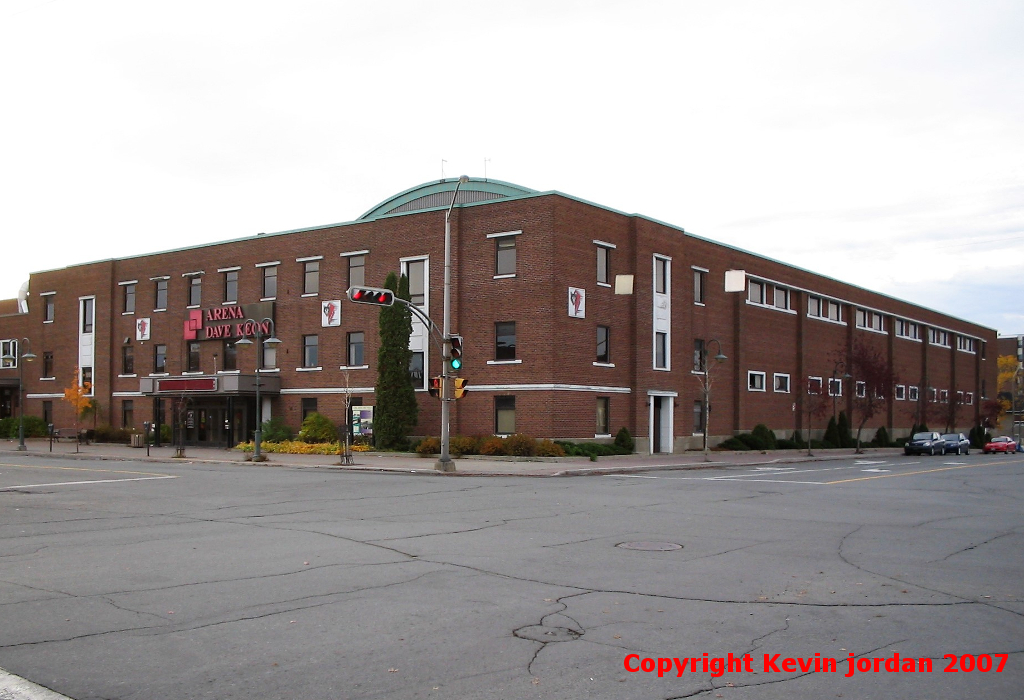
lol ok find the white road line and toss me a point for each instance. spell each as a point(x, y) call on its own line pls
point(79, 483)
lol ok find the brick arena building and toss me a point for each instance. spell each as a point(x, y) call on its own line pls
point(551, 349)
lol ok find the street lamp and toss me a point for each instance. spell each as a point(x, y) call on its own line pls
point(27, 356)
point(835, 378)
point(444, 464)
point(705, 382)
point(245, 342)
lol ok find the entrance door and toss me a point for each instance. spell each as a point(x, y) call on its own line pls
point(661, 424)
point(656, 424)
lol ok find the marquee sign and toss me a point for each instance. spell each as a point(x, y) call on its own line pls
point(228, 322)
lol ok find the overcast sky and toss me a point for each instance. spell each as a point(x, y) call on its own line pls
point(878, 142)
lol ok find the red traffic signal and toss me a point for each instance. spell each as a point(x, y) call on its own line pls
point(435, 386)
point(371, 295)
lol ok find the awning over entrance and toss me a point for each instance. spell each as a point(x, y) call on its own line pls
point(216, 385)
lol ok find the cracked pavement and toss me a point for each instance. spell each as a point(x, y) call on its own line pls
point(239, 581)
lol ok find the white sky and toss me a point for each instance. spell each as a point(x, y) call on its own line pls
point(880, 142)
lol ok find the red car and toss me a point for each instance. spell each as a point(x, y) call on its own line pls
point(1001, 444)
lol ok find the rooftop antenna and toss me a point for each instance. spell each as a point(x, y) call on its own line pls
point(443, 161)
point(485, 168)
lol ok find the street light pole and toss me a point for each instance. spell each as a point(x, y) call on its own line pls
point(706, 386)
point(257, 456)
point(835, 377)
point(26, 356)
point(444, 464)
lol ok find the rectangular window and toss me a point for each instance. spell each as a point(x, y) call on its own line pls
point(814, 307)
point(782, 383)
point(834, 311)
point(308, 406)
point(699, 355)
point(194, 357)
point(128, 414)
point(937, 337)
point(129, 298)
point(969, 398)
point(88, 314)
point(781, 298)
point(944, 396)
point(230, 356)
point(268, 357)
point(835, 387)
point(417, 271)
point(356, 270)
point(861, 389)
point(231, 286)
point(48, 308)
point(966, 344)
point(698, 417)
point(814, 386)
point(48, 412)
point(602, 416)
point(87, 380)
point(603, 265)
point(504, 415)
point(505, 255)
point(603, 354)
point(907, 329)
point(700, 280)
point(755, 381)
point(310, 351)
point(355, 349)
point(661, 276)
point(661, 350)
point(8, 354)
point(505, 340)
point(270, 282)
point(755, 292)
point(901, 392)
point(912, 393)
point(311, 277)
point(127, 359)
point(159, 359)
point(933, 394)
point(195, 290)
point(48, 364)
point(960, 397)
point(160, 294)
point(416, 369)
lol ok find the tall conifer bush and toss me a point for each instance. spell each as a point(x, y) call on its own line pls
point(396, 411)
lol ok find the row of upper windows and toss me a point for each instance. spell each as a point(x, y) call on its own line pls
point(756, 381)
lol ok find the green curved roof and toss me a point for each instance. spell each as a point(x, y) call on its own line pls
point(431, 195)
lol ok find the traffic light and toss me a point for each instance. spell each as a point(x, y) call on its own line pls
point(456, 352)
point(435, 386)
point(460, 387)
point(371, 295)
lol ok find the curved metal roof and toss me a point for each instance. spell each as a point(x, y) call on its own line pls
point(431, 195)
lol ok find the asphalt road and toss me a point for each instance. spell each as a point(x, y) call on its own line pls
point(151, 581)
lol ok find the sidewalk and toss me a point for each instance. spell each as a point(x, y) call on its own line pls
point(468, 466)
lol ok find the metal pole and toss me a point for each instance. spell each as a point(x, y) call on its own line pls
point(444, 463)
point(21, 404)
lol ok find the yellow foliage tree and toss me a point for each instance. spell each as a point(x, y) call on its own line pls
point(78, 396)
point(1007, 369)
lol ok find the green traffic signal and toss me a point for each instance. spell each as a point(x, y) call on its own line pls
point(456, 363)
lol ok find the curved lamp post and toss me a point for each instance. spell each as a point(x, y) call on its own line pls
point(245, 342)
point(27, 356)
point(706, 386)
point(840, 367)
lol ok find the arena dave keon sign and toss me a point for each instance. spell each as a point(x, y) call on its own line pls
point(228, 322)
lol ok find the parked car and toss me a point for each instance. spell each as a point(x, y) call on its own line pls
point(957, 442)
point(920, 443)
point(1001, 444)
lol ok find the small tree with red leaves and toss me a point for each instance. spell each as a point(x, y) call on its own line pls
point(874, 379)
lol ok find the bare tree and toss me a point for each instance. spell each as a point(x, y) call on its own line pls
point(874, 379)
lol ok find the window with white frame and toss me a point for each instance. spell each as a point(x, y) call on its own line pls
point(901, 392)
point(505, 256)
point(870, 320)
point(969, 398)
point(819, 307)
point(604, 255)
point(944, 396)
point(661, 350)
point(782, 383)
point(960, 397)
point(835, 387)
point(755, 292)
point(814, 386)
point(912, 393)
point(861, 389)
point(416, 270)
point(937, 337)
point(966, 344)
point(700, 281)
point(661, 275)
point(755, 381)
point(9, 354)
point(782, 298)
point(48, 308)
point(933, 394)
point(907, 329)
point(310, 277)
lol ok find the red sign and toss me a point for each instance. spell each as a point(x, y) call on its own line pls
point(187, 384)
point(209, 324)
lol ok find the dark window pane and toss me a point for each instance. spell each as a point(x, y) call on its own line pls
point(505, 340)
